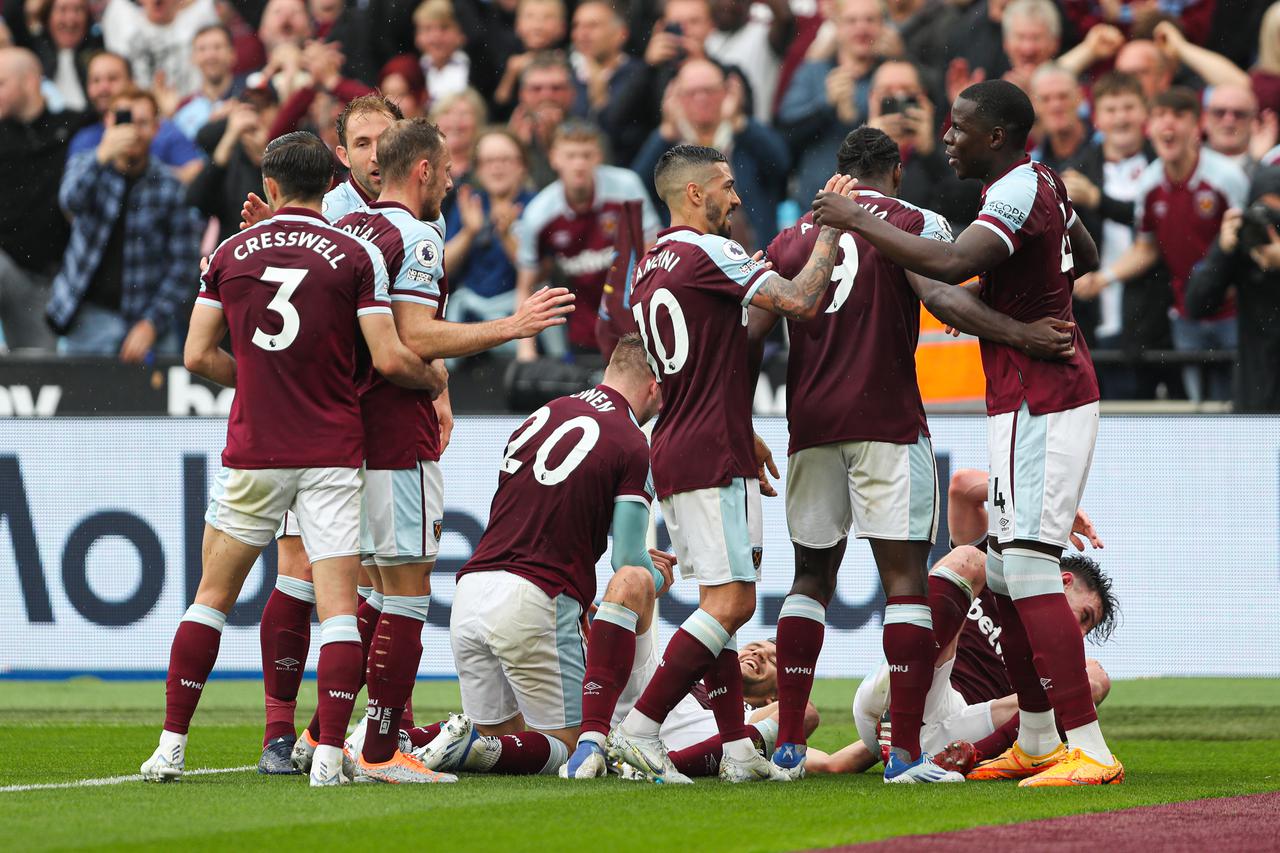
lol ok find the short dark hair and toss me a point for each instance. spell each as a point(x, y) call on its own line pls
point(209, 28)
point(676, 161)
point(1087, 572)
point(300, 163)
point(1180, 99)
point(577, 130)
point(1117, 83)
point(1001, 104)
point(867, 153)
point(407, 142)
point(375, 102)
point(547, 59)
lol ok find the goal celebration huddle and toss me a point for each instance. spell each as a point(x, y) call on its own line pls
point(335, 304)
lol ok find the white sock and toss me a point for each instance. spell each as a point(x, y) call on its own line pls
point(740, 750)
point(638, 725)
point(591, 737)
point(1088, 739)
point(1037, 732)
point(326, 758)
point(174, 746)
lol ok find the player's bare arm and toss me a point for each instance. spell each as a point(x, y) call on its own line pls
point(432, 338)
point(1084, 251)
point(975, 251)
point(202, 354)
point(760, 324)
point(397, 362)
point(764, 467)
point(959, 307)
point(798, 298)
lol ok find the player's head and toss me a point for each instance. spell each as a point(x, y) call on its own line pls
point(1174, 127)
point(413, 157)
point(297, 168)
point(759, 664)
point(630, 374)
point(1089, 594)
point(871, 156)
point(989, 126)
point(577, 150)
point(696, 183)
point(360, 124)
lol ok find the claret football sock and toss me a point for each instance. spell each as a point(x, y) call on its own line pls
point(693, 649)
point(520, 754)
point(703, 759)
point(910, 650)
point(366, 623)
point(950, 597)
point(285, 635)
point(611, 650)
point(420, 736)
point(1018, 661)
point(337, 678)
point(191, 659)
point(392, 668)
point(801, 628)
point(724, 693)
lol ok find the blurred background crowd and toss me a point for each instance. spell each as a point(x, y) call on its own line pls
point(130, 133)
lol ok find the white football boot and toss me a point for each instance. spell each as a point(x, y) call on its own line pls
point(647, 755)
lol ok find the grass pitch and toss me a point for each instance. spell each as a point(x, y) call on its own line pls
point(1179, 738)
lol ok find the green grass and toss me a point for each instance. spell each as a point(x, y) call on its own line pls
point(1179, 738)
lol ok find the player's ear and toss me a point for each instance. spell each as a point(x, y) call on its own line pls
point(345, 160)
point(1067, 580)
point(271, 189)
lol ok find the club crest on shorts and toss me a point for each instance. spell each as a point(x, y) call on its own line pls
point(437, 528)
point(757, 555)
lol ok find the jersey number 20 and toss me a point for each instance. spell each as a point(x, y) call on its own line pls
point(590, 434)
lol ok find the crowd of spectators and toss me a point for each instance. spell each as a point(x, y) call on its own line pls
point(130, 133)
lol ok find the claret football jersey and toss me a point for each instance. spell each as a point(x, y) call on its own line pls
point(564, 469)
point(401, 425)
point(1028, 209)
point(291, 289)
point(851, 371)
point(690, 304)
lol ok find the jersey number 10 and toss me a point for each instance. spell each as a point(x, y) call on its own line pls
point(665, 363)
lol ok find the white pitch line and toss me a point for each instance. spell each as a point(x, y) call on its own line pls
point(118, 780)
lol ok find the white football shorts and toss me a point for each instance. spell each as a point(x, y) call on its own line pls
point(1039, 467)
point(947, 716)
point(880, 490)
point(717, 533)
point(403, 515)
point(517, 651)
point(249, 505)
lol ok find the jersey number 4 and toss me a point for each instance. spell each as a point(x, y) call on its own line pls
point(288, 279)
point(588, 428)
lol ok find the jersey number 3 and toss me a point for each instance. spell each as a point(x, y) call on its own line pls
point(590, 434)
point(288, 280)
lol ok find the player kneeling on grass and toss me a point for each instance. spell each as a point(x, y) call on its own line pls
point(292, 292)
point(575, 468)
point(971, 712)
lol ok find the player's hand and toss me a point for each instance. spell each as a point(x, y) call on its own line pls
point(836, 210)
point(545, 307)
point(138, 342)
point(759, 258)
point(665, 564)
point(255, 210)
point(1049, 339)
point(440, 381)
point(444, 414)
point(1082, 526)
point(765, 466)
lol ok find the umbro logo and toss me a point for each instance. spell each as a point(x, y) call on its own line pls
point(592, 688)
point(287, 663)
point(1046, 683)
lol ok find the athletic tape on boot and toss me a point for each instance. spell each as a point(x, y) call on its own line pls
point(1030, 573)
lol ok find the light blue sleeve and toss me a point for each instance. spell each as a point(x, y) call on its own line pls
point(735, 264)
point(418, 279)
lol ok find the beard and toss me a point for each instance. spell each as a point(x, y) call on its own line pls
point(718, 219)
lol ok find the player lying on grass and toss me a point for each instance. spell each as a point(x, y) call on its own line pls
point(971, 712)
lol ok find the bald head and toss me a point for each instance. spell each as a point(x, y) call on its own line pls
point(19, 84)
point(1141, 58)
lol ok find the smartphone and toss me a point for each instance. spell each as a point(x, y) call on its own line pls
point(124, 116)
point(676, 29)
point(891, 105)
